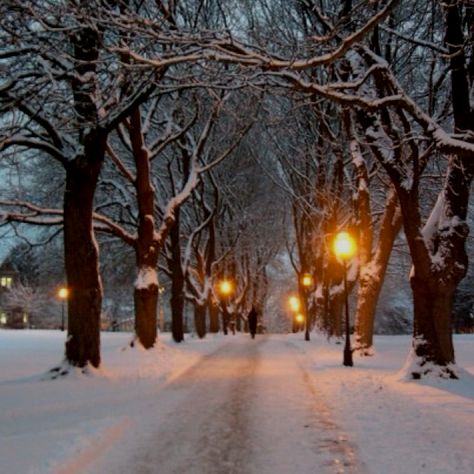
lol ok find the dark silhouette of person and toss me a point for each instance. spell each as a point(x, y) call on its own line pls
point(252, 320)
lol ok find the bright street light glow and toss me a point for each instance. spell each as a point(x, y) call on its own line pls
point(344, 245)
point(225, 287)
point(63, 293)
point(299, 318)
point(295, 303)
point(307, 280)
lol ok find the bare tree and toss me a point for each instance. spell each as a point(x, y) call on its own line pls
point(54, 102)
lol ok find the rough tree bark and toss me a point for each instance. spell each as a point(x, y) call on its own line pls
point(373, 262)
point(441, 263)
point(372, 274)
point(82, 256)
point(146, 252)
point(80, 248)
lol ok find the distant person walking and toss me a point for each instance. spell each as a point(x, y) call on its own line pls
point(252, 320)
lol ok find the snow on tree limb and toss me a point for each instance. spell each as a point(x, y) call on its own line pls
point(43, 216)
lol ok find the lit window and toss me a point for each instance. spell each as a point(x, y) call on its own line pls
point(6, 282)
point(3, 318)
point(25, 318)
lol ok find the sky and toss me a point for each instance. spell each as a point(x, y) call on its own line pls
point(276, 404)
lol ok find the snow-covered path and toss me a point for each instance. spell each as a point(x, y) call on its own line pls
point(229, 404)
point(248, 408)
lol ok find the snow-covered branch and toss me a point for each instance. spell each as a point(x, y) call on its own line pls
point(37, 215)
point(104, 224)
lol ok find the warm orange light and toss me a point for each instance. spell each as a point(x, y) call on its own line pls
point(299, 318)
point(307, 280)
point(294, 303)
point(344, 245)
point(63, 293)
point(226, 287)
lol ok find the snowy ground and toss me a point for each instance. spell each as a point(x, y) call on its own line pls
point(292, 398)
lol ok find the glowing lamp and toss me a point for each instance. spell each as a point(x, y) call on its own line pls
point(63, 293)
point(295, 303)
point(225, 287)
point(307, 280)
point(344, 245)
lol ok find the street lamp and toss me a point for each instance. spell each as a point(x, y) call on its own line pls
point(295, 303)
point(63, 294)
point(299, 318)
point(295, 306)
point(226, 288)
point(306, 283)
point(344, 247)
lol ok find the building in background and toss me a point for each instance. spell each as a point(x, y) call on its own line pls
point(11, 316)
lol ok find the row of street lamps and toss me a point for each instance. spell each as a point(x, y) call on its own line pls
point(344, 247)
point(225, 287)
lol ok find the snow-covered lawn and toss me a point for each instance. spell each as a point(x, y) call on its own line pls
point(398, 426)
point(66, 425)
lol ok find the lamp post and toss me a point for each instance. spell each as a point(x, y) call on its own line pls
point(344, 247)
point(226, 288)
point(63, 294)
point(306, 283)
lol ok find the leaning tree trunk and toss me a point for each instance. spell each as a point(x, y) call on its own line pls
point(82, 258)
point(372, 275)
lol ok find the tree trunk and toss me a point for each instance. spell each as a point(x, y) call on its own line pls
point(442, 263)
point(432, 326)
point(213, 315)
point(177, 282)
point(81, 257)
point(439, 264)
point(325, 306)
point(225, 318)
point(146, 252)
point(369, 290)
point(238, 322)
point(336, 305)
point(200, 320)
point(146, 301)
point(81, 252)
point(372, 275)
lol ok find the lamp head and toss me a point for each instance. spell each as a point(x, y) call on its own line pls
point(226, 287)
point(294, 303)
point(63, 293)
point(307, 280)
point(344, 246)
